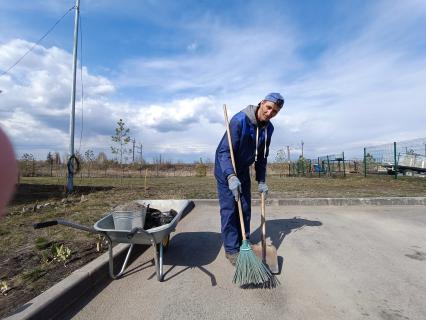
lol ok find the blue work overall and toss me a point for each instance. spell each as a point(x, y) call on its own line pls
point(246, 137)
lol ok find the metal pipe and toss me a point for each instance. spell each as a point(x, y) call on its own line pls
point(70, 182)
point(344, 167)
point(394, 159)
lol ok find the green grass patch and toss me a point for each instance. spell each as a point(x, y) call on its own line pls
point(42, 243)
point(34, 274)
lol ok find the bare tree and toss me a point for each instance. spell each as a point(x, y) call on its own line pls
point(102, 162)
point(121, 139)
point(49, 160)
point(281, 158)
point(89, 156)
point(28, 165)
point(57, 158)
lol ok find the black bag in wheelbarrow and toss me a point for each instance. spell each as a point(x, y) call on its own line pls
point(152, 217)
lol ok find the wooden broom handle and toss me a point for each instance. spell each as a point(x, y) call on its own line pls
point(263, 223)
point(231, 151)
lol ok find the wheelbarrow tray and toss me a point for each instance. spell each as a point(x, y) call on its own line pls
point(157, 234)
point(153, 236)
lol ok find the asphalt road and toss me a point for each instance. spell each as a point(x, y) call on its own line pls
point(358, 262)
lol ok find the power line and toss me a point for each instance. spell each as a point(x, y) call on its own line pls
point(35, 44)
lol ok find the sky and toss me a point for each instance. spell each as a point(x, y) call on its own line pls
point(352, 73)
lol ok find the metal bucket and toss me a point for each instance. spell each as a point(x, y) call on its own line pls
point(127, 220)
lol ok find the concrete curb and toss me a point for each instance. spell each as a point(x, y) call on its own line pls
point(63, 294)
point(56, 299)
point(389, 201)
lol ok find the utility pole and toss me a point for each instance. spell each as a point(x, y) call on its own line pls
point(133, 161)
point(289, 161)
point(141, 153)
point(140, 159)
point(70, 182)
point(302, 147)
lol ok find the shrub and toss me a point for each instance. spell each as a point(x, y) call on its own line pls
point(200, 169)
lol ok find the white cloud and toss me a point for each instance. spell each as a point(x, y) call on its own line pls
point(32, 136)
point(236, 59)
point(192, 47)
point(35, 97)
point(367, 89)
point(178, 115)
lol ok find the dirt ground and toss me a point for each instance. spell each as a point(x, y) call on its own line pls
point(29, 266)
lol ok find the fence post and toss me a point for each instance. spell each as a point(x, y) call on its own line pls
point(319, 169)
point(310, 167)
point(344, 167)
point(328, 166)
point(395, 165)
point(365, 162)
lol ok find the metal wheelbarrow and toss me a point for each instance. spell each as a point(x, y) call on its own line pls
point(158, 237)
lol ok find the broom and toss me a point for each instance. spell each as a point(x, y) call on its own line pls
point(249, 269)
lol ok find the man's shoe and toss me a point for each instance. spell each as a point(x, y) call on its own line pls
point(232, 257)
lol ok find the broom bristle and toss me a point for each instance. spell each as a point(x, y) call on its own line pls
point(250, 270)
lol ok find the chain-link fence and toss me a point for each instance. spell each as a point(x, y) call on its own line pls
point(406, 158)
point(399, 158)
point(325, 166)
point(333, 164)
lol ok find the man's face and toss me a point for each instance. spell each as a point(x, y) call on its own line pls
point(267, 110)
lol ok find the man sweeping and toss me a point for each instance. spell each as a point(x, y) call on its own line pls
point(251, 132)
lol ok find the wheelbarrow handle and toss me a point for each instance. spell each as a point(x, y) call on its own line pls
point(77, 226)
point(65, 223)
point(45, 224)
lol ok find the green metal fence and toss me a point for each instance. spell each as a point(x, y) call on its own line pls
point(398, 158)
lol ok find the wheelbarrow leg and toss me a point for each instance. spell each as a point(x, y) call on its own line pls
point(111, 260)
point(158, 257)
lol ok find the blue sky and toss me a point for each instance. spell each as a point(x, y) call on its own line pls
point(352, 73)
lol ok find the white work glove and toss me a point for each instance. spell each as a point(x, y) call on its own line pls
point(234, 185)
point(263, 188)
